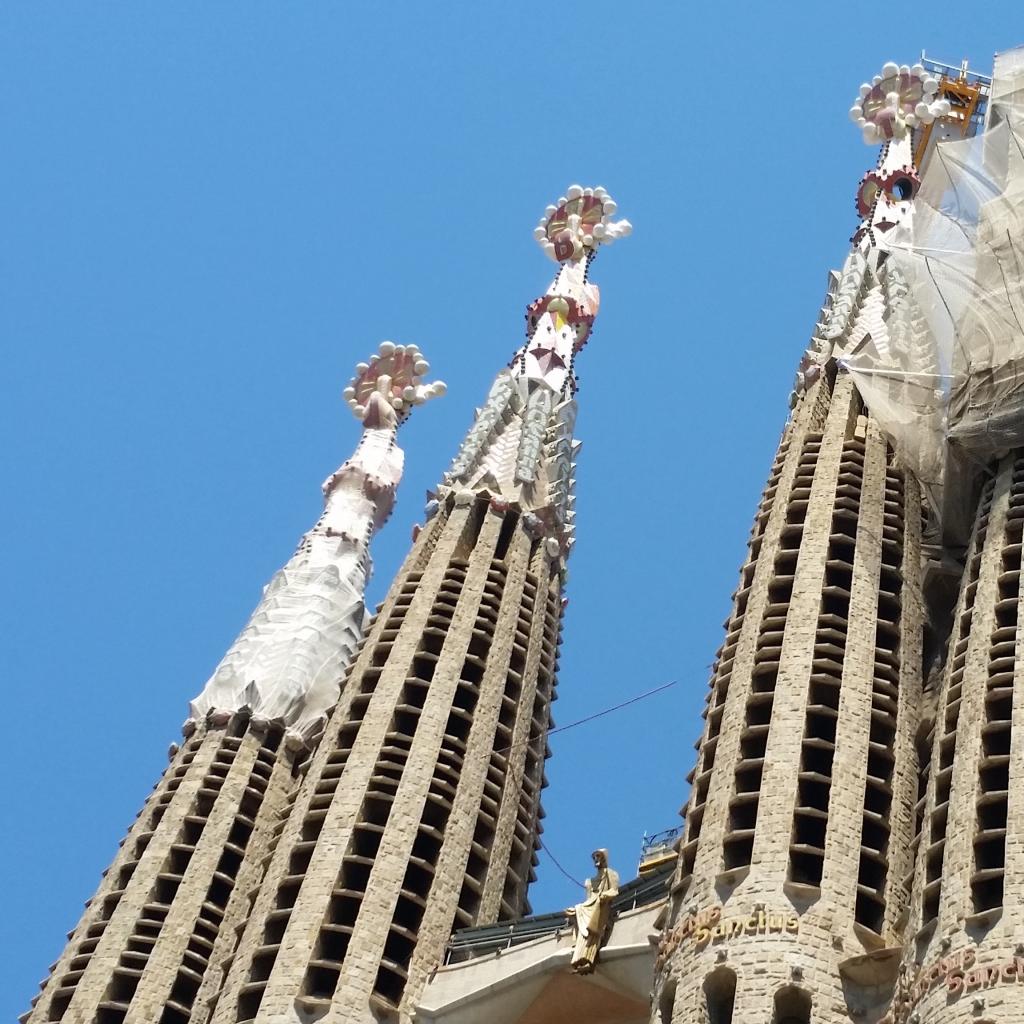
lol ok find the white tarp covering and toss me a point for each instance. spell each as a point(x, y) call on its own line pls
point(289, 661)
point(947, 383)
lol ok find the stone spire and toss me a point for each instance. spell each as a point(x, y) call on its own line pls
point(288, 662)
point(791, 893)
point(964, 959)
point(890, 107)
point(966, 926)
point(421, 810)
point(153, 939)
point(521, 448)
point(871, 323)
point(887, 110)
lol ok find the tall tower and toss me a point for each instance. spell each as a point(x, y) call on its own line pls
point(152, 940)
point(966, 958)
point(420, 811)
point(791, 893)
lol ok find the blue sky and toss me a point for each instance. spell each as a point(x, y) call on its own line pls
point(212, 211)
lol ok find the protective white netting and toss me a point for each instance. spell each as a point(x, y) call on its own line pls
point(943, 368)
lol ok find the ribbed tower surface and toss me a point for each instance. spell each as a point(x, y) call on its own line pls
point(797, 840)
point(421, 811)
point(792, 892)
point(968, 909)
point(148, 944)
point(420, 807)
point(154, 939)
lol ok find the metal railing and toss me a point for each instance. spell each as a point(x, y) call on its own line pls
point(956, 71)
point(659, 845)
point(489, 939)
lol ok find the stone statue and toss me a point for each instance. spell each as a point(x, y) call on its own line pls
point(590, 919)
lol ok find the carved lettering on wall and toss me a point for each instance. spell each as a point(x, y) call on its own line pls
point(958, 973)
point(708, 926)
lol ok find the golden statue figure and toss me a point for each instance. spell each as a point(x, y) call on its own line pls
point(590, 918)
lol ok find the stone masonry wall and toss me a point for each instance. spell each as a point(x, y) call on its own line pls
point(152, 941)
point(790, 894)
point(967, 963)
point(421, 805)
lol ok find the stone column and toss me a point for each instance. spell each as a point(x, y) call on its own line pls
point(157, 932)
point(789, 892)
point(389, 844)
point(967, 963)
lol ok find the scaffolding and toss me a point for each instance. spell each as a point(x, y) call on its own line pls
point(967, 93)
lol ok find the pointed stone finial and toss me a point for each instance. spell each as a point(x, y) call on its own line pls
point(393, 381)
point(559, 322)
point(897, 99)
point(520, 451)
point(288, 663)
point(578, 223)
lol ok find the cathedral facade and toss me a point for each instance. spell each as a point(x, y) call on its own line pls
point(348, 829)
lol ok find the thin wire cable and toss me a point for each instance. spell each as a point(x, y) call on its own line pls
point(882, 371)
point(572, 725)
point(589, 718)
point(554, 860)
point(617, 707)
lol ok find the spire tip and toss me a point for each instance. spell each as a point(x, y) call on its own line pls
point(896, 100)
point(394, 374)
point(579, 223)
